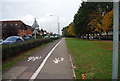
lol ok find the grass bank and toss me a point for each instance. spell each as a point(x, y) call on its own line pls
point(92, 58)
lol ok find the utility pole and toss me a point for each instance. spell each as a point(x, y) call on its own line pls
point(115, 40)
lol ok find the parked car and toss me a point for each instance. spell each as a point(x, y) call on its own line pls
point(1, 40)
point(12, 39)
point(51, 36)
point(46, 36)
point(95, 37)
point(56, 36)
point(27, 37)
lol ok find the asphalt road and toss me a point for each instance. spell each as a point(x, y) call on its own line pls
point(50, 62)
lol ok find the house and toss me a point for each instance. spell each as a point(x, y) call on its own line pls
point(29, 30)
point(15, 27)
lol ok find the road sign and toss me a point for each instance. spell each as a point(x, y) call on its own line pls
point(35, 25)
point(35, 31)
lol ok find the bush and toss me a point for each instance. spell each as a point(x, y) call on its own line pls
point(11, 50)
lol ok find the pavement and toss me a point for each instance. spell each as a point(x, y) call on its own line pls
point(50, 62)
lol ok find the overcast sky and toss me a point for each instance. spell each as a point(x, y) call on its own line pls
point(41, 10)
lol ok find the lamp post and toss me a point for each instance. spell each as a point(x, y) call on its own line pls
point(35, 25)
point(57, 24)
point(115, 40)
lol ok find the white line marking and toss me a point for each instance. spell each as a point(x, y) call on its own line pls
point(33, 58)
point(44, 61)
point(56, 60)
point(74, 75)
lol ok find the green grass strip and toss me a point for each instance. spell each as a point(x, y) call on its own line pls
point(93, 58)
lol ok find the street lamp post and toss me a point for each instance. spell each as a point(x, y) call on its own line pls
point(115, 40)
point(57, 24)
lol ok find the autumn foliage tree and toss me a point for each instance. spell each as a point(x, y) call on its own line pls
point(64, 31)
point(69, 31)
point(107, 22)
point(91, 18)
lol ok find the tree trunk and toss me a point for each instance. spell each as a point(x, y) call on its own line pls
point(88, 36)
point(99, 36)
point(107, 34)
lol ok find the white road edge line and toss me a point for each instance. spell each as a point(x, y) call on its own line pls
point(44, 61)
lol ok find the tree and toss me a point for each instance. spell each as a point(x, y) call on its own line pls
point(64, 31)
point(80, 20)
point(101, 9)
point(88, 13)
point(107, 22)
point(71, 30)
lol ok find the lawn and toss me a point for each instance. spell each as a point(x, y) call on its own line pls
point(92, 58)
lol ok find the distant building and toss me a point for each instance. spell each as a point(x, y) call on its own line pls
point(29, 30)
point(15, 27)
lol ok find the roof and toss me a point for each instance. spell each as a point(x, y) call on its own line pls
point(11, 21)
point(18, 22)
point(29, 27)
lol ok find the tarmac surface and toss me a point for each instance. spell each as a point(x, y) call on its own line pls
point(56, 66)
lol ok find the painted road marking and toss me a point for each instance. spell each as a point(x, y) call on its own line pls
point(43, 63)
point(57, 60)
point(62, 59)
point(33, 58)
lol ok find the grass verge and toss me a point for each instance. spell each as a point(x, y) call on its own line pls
point(93, 58)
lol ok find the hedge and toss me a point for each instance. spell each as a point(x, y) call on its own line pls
point(11, 50)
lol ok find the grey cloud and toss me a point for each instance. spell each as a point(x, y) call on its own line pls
point(65, 9)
